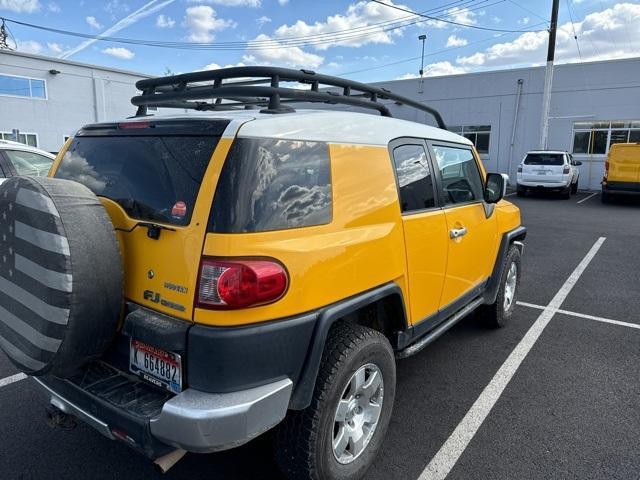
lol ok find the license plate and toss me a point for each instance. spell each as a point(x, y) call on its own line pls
point(542, 172)
point(163, 369)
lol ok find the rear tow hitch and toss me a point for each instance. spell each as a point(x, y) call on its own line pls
point(56, 418)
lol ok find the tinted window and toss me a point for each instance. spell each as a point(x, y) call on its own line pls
point(269, 184)
point(28, 163)
point(547, 159)
point(22, 87)
point(581, 142)
point(634, 136)
point(153, 178)
point(414, 178)
point(599, 141)
point(459, 173)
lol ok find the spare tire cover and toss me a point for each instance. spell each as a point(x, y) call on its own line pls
point(60, 275)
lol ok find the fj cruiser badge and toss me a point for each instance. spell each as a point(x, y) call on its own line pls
point(156, 298)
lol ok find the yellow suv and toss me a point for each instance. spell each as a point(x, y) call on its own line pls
point(621, 171)
point(187, 282)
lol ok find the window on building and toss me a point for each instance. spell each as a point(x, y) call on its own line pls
point(414, 178)
point(22, 87)
point(596, 138)
point(478, 134)
point(30, 139)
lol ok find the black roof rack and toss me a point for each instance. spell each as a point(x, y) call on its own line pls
point(206, 90)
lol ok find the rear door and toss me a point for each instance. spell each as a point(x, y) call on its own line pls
point(543, 167)
point(425, 227)
point(624, 164)
point(472, 237)
point(153, 179)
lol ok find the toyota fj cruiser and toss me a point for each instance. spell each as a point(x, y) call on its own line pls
point(188, 282)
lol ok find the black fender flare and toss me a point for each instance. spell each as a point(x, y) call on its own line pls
point(327, 316)
point(491, 290)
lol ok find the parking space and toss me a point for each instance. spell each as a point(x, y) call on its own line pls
point(568, 410)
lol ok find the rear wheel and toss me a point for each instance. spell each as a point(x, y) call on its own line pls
point(499, 312)
point(566, 193)
point(339, 434)
point(605, 197)
point(574, 188)
point(521, 191)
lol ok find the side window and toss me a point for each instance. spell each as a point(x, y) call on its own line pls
point(414, 178)
point(28, 163)
point(461, 181)
point(269, 184)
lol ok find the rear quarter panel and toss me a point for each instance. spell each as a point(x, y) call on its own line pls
point(363, 246)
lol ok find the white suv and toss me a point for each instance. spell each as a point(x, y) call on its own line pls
point(20, 159)
point(548, 170)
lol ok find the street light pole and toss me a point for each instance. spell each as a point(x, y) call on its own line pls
point(548, 77)
point(423, 38)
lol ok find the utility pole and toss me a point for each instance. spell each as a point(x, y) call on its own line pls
point(423, 38)
point(548, 77)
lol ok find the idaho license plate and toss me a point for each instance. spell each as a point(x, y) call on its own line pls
point(163, 369)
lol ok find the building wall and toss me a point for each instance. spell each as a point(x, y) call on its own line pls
point(78, 95)
point(597, 91)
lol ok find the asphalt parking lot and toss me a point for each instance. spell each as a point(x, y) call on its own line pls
point(555, 394)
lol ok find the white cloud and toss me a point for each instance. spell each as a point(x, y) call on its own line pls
point(201, 21)
point(144, 11)
point(55, 48)
point(29, 46)
point(279, 54)
point(20, 6)
point(54, 7)
point(524, 21)
point(231, 3)
point(360, 14)
point(93, 23)
point(119, 52)
point(455, 41)
point(215, 66)
point(437, 69)
point(164, 21)
point(283, 2)
point(607, 34)
point(262, 20)
point(461, 15)
point(116, 7)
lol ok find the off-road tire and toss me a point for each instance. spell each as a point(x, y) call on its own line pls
point(605, 197)
point(303, 441)
point(574, 188)
point(565, 194)
point(521, 191)
point(495, 315)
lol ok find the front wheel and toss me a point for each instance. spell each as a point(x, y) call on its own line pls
point(500, 312)
point(339, 434)
point(574, 188)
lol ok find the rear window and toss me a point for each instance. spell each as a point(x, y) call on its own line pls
point(153, 178)
point(544, 159)
point(270, 184)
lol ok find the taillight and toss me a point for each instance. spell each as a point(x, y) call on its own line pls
point(134, 125)
point(519, 168)
point(566, 169)
point(239, 283)
point(606, 169)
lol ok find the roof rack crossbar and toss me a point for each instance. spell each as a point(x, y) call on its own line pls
point(262, 86)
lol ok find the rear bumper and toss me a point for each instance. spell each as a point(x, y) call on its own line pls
point(544, 185)
point(621, 188)
point(192, 420)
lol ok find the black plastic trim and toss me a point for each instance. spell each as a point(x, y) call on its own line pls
point(229, 359)
point(303, 389)
point(491, 292)
point(153, 328)
point(179, 127)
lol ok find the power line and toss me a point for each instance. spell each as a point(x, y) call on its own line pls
point(477, 27)
point(575, 36)
point(546, 20)
point(407, 60)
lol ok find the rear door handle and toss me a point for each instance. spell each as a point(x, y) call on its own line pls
point(457, 232)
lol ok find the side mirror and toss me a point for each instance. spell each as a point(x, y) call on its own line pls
point(496, 187)
point(577, 163)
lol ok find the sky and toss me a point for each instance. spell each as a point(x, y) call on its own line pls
point(361, 40)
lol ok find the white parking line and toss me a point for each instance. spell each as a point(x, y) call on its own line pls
point(12, 379)
point(587, 198)
point(584, 315)
point(442, 463)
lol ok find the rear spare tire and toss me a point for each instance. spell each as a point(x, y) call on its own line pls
point(60, 275)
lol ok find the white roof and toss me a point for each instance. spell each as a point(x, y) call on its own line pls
point(9, 145)
point(331, 126)
point(547, 151)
